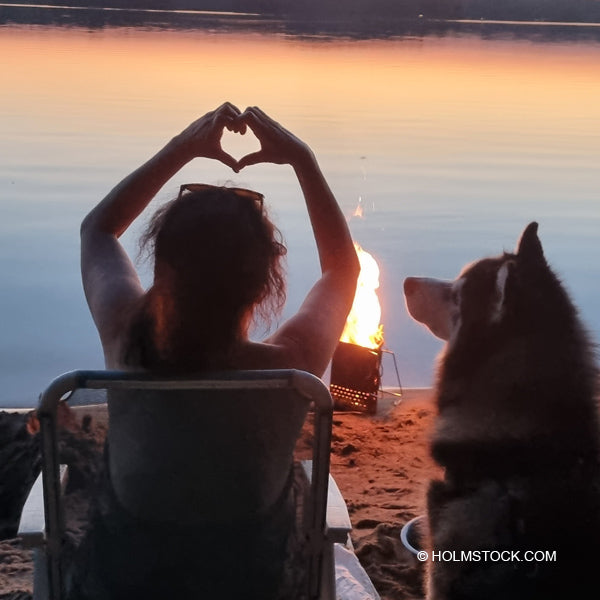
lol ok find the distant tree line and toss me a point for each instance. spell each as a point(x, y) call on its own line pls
point(533, 10)
point(521, 10)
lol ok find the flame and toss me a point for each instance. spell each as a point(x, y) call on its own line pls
point(358, 211)
point(363, 326)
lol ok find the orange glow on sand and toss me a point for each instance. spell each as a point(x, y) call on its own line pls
point(363, 326)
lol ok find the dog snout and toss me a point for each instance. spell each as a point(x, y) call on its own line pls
point(410, 286)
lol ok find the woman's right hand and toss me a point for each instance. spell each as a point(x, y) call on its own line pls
point(202, 138)
point(277, 144)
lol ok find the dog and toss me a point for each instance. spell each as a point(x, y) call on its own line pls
point(517, 433)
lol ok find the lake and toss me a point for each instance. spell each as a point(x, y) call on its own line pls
point(450, 139)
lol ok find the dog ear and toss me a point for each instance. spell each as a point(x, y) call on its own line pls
point(529, 248)
point(504, 277)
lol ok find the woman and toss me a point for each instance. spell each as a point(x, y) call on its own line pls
point(217, 265)
point(116, 297)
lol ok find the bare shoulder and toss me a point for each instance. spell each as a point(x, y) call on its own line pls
point(266, 355)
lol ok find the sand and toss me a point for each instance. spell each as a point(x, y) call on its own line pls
point(380, 462)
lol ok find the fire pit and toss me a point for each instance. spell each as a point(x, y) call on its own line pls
point(356, 363)
point(355, 377)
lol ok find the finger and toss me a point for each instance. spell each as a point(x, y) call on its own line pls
point(253, 158)
point(236, 125)
point(263, 122)
point(262, 116)
point(224, 115)
point(228, 106)
point(253, 121)
point(226, 159)
point(232, 125)
point(274, 125)
point(260, 112)
point(257, 113)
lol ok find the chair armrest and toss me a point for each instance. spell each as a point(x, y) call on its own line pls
point(338, 524)
point(32, 526)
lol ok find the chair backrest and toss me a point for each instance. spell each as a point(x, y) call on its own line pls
point(208, 449)
point(197, 456)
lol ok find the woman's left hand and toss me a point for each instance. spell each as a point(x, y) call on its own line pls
point(202, 138)
point(277, 144)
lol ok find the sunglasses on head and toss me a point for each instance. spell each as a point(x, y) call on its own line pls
point(241, 192)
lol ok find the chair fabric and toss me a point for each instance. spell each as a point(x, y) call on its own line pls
point(123, 556)
point(207, 449)
point(197, 496)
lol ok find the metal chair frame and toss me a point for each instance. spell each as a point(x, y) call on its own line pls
point(303, 383)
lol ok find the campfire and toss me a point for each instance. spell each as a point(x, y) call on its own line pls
point(356, 363)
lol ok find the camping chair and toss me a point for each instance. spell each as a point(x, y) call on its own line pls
point(267, 403)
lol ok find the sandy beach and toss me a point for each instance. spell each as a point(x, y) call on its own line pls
point(382, 465)
point(380, 462)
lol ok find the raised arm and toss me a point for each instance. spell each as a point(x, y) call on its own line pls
point(311, 335)
point(110, 281)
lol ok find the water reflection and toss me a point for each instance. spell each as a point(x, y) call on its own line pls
point(450, 141)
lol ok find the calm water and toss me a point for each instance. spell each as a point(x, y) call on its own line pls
point(450, 141)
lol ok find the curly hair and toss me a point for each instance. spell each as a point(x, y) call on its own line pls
point(217, 261)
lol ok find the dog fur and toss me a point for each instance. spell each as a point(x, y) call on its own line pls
point(517, 431)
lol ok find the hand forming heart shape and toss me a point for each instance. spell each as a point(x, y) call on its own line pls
point(239, 145)
point(276, 144)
